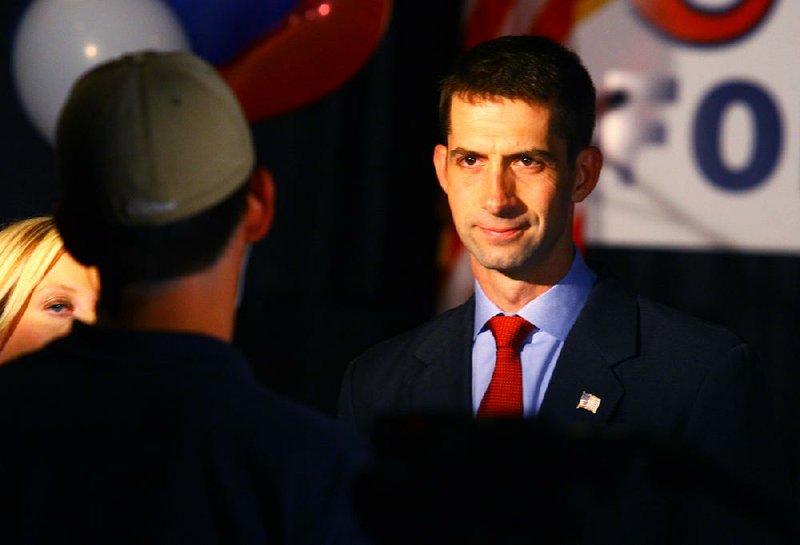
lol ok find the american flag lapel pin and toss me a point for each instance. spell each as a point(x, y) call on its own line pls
point(588, 401)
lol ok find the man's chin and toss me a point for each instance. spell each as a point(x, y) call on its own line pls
point(508, 265)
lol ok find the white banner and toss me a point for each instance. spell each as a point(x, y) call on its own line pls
point(701, 123)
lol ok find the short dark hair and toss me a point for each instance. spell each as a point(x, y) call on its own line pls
point(126, 254)
point(534, 69)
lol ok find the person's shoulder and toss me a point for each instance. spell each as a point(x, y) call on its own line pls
point(32, 371)
point(442, 326)
point(276, 419)
point(658, 320)
point(302, 441)
point(668, 320)
point(290, 415)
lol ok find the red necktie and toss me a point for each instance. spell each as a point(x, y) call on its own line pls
point(503, 397)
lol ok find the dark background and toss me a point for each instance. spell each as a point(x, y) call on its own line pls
point(352, 256)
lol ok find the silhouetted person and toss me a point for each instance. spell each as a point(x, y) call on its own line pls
point(149, 426)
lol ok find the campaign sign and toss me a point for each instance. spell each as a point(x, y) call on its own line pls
point(699, 122)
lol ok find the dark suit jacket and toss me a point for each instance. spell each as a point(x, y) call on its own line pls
point(147, 437)
point(677, 380)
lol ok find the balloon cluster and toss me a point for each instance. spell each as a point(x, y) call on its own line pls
point(277, 55)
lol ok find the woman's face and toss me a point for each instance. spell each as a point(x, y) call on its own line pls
point(68, 291)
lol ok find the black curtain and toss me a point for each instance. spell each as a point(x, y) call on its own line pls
point(352, 255)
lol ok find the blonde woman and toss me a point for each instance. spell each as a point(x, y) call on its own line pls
point(42, 288)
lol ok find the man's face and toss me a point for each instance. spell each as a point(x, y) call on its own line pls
point(510, 187)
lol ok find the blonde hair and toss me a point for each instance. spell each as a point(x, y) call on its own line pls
point(28, 250)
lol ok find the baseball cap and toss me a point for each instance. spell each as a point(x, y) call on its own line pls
point(151, 138)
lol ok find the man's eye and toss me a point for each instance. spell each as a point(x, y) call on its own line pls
point(469, 160)
point(527, 161)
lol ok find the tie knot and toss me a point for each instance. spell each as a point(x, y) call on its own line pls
point(509, 331)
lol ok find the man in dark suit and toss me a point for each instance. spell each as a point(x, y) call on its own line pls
point(517, 115)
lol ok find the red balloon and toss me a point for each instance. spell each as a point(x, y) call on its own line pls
point(319, 47)
point(702, 27)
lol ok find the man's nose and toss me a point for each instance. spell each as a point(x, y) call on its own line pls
point(500, 197)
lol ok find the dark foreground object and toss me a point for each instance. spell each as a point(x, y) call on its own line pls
point(453, 481)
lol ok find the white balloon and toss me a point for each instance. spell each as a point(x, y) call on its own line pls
point(58, 40)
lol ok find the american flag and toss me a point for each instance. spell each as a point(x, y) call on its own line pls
point(588, 401)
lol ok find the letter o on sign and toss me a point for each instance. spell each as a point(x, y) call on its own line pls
point(768, 138)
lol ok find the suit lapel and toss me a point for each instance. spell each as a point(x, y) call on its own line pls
point(444, 379)
point(604, 335)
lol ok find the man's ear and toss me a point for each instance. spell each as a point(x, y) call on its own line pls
point(587, 172)
point(440, 164)
point(260, 204)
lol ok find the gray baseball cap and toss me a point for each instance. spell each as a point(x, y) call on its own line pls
point(151, 138)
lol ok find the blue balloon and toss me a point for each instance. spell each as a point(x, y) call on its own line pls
point(221, 29)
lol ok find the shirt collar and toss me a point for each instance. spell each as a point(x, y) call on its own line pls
point(554, 311)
